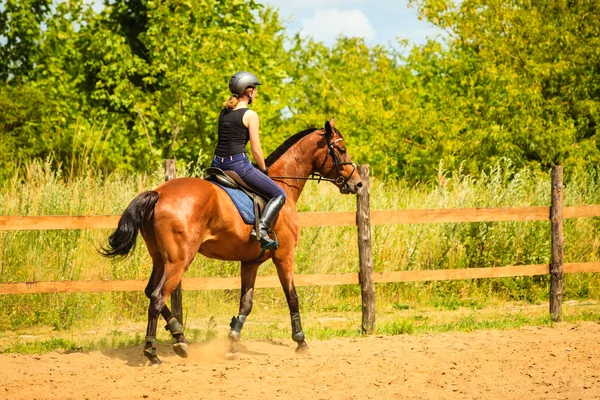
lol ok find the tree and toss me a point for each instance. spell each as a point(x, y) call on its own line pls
point(525, 78)
point(144, 80)
point(159, 70)
point(20, 34)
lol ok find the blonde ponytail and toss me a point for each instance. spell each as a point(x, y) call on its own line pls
point(232, 102)
point(234, 99)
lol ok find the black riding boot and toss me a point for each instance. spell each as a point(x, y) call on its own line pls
point(266, 222)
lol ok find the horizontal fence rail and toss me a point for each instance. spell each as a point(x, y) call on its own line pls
point(333, 218)
point(195, 284)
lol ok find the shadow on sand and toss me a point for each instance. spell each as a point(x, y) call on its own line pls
point(211, 351)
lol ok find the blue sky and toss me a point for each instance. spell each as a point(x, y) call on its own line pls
point(377, 21)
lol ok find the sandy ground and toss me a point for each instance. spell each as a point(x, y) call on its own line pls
point(562, 362)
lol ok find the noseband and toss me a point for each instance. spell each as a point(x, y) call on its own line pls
point(337, 165)
point(340, 181)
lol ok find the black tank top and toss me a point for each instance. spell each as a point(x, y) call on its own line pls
point(233, 135)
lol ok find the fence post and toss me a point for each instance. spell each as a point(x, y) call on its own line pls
point(556, 265)
point(365, 251)
point(176, 296)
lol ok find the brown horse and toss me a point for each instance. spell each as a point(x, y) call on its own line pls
point(186, 216)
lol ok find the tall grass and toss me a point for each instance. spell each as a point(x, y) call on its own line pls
point(71, 255)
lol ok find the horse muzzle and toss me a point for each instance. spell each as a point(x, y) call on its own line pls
point(350, 187)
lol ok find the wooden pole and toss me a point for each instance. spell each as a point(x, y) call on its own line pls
point(176, 296)
point(170, 170)
point(556, 264)
point(365, 251)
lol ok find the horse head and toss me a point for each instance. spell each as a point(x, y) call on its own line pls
point(334, 162)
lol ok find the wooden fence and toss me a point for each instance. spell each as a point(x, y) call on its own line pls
point(363, 219)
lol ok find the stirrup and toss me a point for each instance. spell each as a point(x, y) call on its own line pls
point(272, 244)
point(253, 235)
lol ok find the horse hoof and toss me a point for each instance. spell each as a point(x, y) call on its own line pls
point(154, 360)
point(231, 356)
point(181, 349)
point(302, 348)
point(155, 363)
point(233, 349)
point(150, 354)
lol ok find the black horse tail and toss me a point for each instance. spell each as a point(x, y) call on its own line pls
point(122, 241)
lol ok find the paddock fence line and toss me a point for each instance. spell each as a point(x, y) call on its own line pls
point(351, 278)
point(363, 218)
point(327, 218)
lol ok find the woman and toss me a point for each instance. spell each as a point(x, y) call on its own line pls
point(237, 126)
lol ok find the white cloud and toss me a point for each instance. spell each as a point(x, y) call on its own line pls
point(327, 25)
point(309, 3)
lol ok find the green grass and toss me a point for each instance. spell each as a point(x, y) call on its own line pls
point(41, 347)
point(265, 325)
point(463, 324)
point(70, 255)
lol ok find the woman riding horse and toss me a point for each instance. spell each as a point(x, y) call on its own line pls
point(237, 125)
point(186, 216)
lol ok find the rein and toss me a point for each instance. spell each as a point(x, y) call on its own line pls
point(337, 165)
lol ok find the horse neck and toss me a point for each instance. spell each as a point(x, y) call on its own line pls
point(298, 162)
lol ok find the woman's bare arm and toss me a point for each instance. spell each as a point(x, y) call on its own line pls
point(251, 118)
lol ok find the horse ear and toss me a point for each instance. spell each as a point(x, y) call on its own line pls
point(329, 125)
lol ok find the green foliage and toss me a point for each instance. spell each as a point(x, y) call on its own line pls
point(510, 79)
point(45, 346)
point(138, 82)
point(518, 79)
point(398, 327)
point(144, 80)
point(158, 71)
point(21, 31)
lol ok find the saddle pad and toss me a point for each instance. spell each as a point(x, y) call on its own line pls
point(242, 202)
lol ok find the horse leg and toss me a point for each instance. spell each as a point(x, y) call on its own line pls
point(173, 274)
point(174, 326)
point(285, 271)
point(248, 275)
point(164, 279)
point(152, 291)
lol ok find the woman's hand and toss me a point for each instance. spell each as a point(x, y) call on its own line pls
point(264, 171)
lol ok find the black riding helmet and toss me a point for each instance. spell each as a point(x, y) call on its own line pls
point(242, 81)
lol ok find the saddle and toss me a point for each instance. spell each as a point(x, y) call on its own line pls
point(231, 180)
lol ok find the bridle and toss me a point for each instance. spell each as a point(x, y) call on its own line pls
point(340, 181)
point(337, 165)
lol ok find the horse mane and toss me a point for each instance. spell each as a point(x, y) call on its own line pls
point(289, 142)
